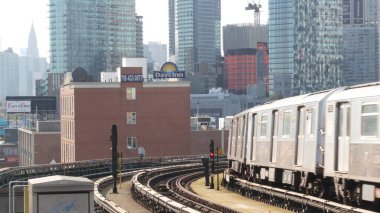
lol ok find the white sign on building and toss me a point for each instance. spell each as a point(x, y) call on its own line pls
point(18, 106)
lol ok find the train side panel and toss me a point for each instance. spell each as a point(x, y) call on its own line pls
point(263, 144)
point(352, 151)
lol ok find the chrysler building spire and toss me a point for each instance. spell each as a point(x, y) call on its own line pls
point(32, 44)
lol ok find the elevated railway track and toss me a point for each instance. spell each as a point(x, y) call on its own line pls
point(287, 199)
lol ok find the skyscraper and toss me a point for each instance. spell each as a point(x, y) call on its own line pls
point(91, 34)
point(31, 66)
point(9, 69)
point(305, 46)
point(139, 37)
point(32, 50)
point(197, 46)
point(360, 41)
point(171, 28)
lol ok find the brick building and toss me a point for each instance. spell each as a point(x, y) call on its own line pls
point(150, 115)
point(40, 145)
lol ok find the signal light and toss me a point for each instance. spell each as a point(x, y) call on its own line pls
point(212, 155)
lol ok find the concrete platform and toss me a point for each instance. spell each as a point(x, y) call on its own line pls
point(232, 200)
point(124, 198)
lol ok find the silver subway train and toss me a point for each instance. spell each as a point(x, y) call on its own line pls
point(326, 144)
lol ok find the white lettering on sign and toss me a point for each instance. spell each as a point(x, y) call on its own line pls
point(169, 74)
point(132, 78)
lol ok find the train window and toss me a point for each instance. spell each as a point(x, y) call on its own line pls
point(341, 123)
point(286, 124)
point(243, 129)
point(310, 121)
point(313, 119)
point(369, 120)
point(263, 125)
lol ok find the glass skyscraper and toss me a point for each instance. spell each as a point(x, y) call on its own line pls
point(91, 34)
point(305, 52)
point(197, 40)
point(171, 28)
point(360, 41)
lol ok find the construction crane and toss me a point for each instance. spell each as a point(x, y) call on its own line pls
point(256, 7)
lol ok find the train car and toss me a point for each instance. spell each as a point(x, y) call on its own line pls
point(237, 141)
point(287, 143)
point(352, 151)
point(324, 144)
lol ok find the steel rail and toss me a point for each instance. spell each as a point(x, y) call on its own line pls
point(303, 199)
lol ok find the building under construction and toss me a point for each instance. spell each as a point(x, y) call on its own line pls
point(94, 35)
point(238, 36)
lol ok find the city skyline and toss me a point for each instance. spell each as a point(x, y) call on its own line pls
point(15, 33)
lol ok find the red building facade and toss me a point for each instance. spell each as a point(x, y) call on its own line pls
point(153, 116)
point(246, 67)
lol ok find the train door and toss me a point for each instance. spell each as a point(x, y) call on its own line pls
point(244, 139)
point(231, 137)
point(343, 137)
point(301, 135)
point(274, 136)
point(253, 141)
point(238, 136)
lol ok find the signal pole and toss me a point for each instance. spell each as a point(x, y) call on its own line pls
point(205, 162)
point(212, 155)
point(217, 164)
point(114, 156)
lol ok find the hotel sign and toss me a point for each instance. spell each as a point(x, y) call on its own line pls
point(132, 78)
point(168, 70)
point(18, 106)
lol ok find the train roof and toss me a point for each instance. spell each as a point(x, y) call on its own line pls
point(357, 91)
point(243, 112)
point(296, 100)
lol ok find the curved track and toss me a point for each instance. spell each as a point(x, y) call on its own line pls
point(168, 190)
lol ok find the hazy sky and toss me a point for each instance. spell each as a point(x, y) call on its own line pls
point(16, 17)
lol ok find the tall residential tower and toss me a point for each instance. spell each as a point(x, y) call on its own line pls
point(94, 35)
point(197, 44)
point(305, 46)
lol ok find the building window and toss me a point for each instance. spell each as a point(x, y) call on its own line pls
point(369, 120)
point(131, 117)
point(132, 143)
point(131, 93)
